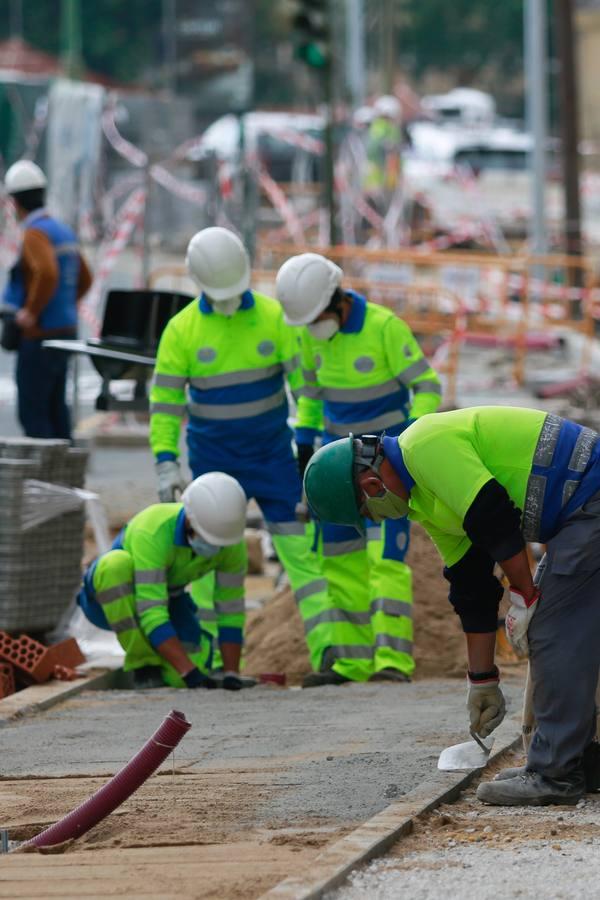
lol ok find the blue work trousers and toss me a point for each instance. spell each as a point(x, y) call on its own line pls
point(41, 377)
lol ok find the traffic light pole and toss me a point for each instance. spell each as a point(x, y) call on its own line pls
point(330, 155)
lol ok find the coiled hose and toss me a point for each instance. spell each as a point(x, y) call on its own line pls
point(120, 787)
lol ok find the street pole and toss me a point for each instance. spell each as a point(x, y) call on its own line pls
point(537, 117)
point(355, 51)
point(328, 74)
point(71, 37)
point(169, 23)
point(569, 122)
point(388, 23)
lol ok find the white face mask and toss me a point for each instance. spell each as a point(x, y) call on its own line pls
point(227, 307)
point(201, 547)
point(325, 329)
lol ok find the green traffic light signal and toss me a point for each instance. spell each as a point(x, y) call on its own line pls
point(313, 55)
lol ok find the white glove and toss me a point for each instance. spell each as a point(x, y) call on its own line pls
point(170, 481)
point(485, 703)
point(518, 618)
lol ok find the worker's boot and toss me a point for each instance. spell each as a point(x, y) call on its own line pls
point(316, 679)
point(591, 769)
point(390, 674)
point(533, 789)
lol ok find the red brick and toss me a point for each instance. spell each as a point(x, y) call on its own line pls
point(64, 673)
point(67, 653)
point(27, 655)
point(7, 680)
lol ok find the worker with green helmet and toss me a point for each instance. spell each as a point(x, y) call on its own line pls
point(138, 588)
point(483, 482)
point(224, 362)
point(363, 371)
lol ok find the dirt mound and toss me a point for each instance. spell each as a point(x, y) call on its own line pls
point(275, 637)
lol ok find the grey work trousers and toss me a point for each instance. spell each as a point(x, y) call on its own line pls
point(564, 644)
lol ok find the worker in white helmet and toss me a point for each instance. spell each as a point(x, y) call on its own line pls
point(45, 285)
point(137, 589)
point(384, 144)
point(232, 351)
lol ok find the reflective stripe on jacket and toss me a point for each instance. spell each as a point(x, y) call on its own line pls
point(370, 377)
point(234, 369)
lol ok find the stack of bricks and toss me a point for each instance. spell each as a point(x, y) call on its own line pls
point(40, 566)
point(34, 661)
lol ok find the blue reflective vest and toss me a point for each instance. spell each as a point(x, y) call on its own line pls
point(61, 310)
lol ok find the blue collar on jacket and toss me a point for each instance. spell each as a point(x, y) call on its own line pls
point(206, 308)
point(180, 535)
point(393, 452)
point(355, 321)
point(41, 213)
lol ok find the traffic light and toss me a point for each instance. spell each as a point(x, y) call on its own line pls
point(313, 33)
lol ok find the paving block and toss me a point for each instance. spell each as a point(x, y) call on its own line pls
point(7, 680)
point(67, 653)
point(27, 655)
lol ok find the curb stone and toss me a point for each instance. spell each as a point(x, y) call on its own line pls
point(373, 838)
point(39, 697)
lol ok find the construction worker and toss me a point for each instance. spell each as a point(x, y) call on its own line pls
point(137, 588)
point(233, 351)
point(482, 482)
point(384, 142)
point(45, 284)
point(363, 371)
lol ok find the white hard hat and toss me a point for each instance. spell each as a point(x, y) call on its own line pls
point(364, 115)
point(305, 285)
point(24, 175)
point(219, 264)
point(388, 106)
point(215, 507)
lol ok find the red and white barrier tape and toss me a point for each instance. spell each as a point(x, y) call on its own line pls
point(282, 205)
point(130, 214)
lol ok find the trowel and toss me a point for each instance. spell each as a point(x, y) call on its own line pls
point(468, 755)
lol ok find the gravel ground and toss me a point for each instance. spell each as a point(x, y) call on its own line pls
point(470, 850)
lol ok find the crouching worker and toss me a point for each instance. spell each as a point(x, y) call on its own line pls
point(138, 588)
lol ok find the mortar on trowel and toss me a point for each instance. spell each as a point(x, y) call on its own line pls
point(468, 755)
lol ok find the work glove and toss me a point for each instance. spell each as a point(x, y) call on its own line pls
point(518, 618)
point(197, 679)
point(305, 451)
point(170, 480)
point(485, 702)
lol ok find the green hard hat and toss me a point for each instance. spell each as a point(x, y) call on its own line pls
point(329, 485)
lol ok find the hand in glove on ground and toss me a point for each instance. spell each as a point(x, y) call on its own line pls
point(197, 679)
point(170, 480)
point(485, 702)
point(518, 618)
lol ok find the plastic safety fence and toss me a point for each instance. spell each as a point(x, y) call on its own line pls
point(41, 531)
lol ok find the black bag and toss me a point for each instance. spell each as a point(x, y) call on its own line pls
point(10, 338)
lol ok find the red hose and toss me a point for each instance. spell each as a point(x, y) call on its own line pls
point(120, 787)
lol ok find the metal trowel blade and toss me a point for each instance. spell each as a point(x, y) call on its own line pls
point(469, 755)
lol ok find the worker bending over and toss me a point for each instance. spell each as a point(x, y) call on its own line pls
point(138, 589)
point(363, 371)
point(233, 351)
point(482, 482)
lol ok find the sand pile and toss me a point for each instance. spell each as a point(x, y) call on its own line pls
point(275, 637)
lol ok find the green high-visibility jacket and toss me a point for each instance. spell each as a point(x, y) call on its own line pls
point(371, 376)
point(549, 467)
point(234, 368)
point(164, 564)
